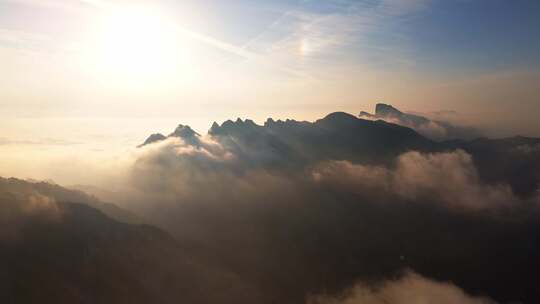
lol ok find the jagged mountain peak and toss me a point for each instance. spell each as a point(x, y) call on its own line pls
point(438, 130)
point(382, 109)
point(184, 131)
point(156, 137)
point(342, 124)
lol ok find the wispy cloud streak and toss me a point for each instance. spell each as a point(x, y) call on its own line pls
point(304, 35)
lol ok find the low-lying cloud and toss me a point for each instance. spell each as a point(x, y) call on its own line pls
point(410, 289)
point(449, 178)
point(177, 172)
point(336, 222)
point(341, 210)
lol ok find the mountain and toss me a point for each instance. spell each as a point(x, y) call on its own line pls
point(277, 212)
point(301, 208)
point(337, 136)
point(385, 111)
point(23, 189)
point(65, 252)
point(434, 129)
point(183, 132)
point(153, 138)
point(291, 144)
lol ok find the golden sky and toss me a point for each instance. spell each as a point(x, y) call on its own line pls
point(99, 76)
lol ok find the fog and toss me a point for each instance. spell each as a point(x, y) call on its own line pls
point(313, 212)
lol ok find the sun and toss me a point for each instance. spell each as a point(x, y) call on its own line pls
point(137, 45)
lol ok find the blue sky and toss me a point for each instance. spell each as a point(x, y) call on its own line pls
point(485, 35)
point(466, 35)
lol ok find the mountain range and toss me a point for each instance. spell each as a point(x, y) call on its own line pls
point(281, 213)
point(341, 136)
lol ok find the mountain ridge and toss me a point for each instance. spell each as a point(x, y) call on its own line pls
point(437, 130)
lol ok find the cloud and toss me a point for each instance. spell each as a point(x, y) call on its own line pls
point(449, 178)
point(41, 142)
point(57, 4)
point(300, 209)
point(185, 172)
point(25, 40)
point(410, 289)
point(334, 223)
point(317, 31)
point(179, 171)
point(528, 149)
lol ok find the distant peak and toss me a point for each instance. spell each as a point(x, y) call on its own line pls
point(214, 128)
point(184, 131)
point(382, 109)
point(153, 138)
point(366, 115)
point(339, 116)
point(269, 122)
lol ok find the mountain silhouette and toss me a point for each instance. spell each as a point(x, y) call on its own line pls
point(291, 144)
point(434, 129)
point(276, 212)
point(183, 132)
point(337, 136)
point(24, 189)
point(66, 252)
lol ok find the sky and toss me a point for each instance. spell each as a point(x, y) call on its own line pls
point(97, 76)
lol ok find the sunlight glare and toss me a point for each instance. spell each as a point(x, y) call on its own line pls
point(138, 45)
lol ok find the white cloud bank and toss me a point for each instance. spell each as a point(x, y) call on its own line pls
point(411, 289)
point(450, 178)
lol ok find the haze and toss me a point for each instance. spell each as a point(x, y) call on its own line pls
point(262, 152)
